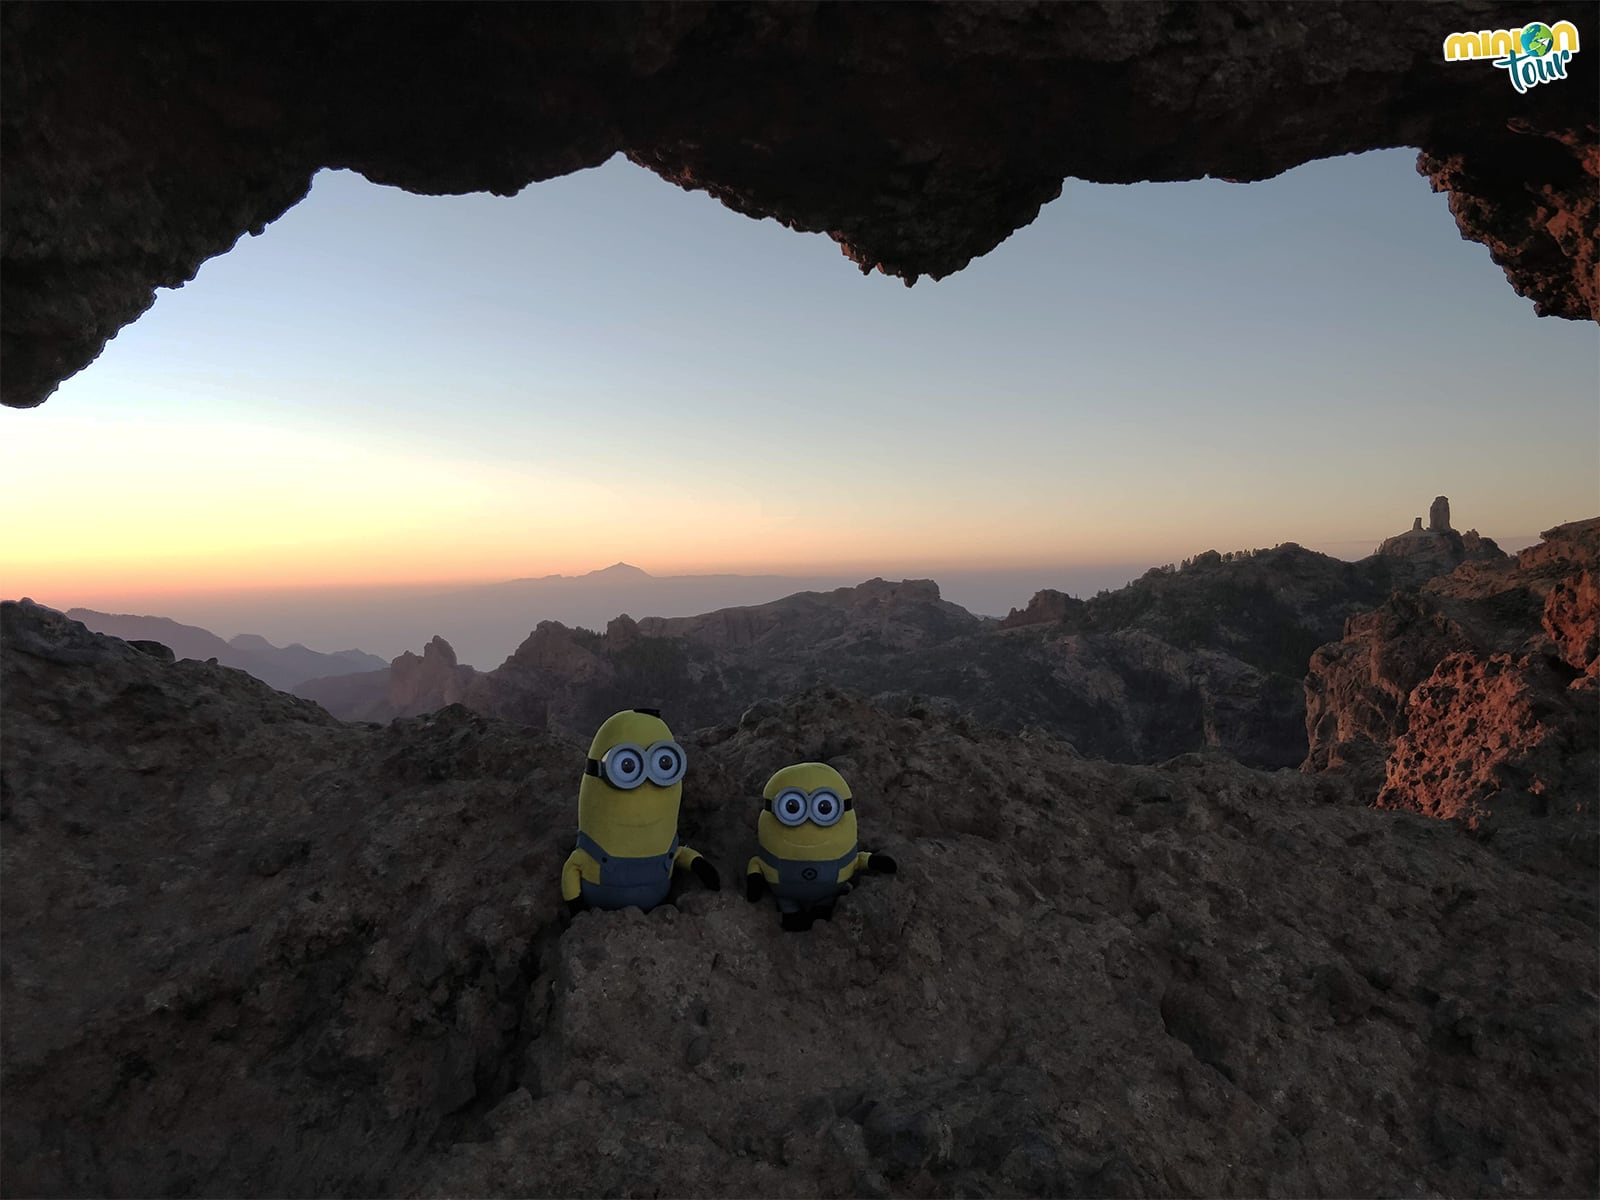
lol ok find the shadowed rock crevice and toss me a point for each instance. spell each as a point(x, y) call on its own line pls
point(140, 141)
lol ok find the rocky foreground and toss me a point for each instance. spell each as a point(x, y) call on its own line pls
point(251, 950)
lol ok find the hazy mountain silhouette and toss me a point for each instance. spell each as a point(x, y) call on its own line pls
point(281, 666)
point(617, 572)
point(1209, 655)
point(487, 622)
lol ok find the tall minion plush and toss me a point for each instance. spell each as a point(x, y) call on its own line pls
point(628, 818)
point(809, 849)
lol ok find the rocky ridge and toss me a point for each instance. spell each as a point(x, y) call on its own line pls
point(251, 950)
point(1419, 554)
point(281, 666)
point(906, 615)
point(1212, 655)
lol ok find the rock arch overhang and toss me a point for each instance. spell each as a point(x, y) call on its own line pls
point(140, 139)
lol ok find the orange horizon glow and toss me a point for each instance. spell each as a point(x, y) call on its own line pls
point(100, 582)
point(233, 581)
point(261, 509)
point(264, 509)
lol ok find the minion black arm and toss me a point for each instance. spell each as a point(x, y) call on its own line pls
point(690, 858)
point(876, 863)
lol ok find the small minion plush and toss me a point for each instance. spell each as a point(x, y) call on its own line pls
point(628, 818)
point(809, 851)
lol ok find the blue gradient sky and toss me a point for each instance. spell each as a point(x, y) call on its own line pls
point(386, 387)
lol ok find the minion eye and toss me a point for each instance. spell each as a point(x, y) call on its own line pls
point(825, 807)
point(667, 763)
point(625, 766)
point(790, 806)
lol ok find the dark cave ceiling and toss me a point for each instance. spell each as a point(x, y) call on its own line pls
point(139, 140)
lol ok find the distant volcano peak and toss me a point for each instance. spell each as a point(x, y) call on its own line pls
point(618, 570)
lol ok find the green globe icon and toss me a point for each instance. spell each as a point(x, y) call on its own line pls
point(1537, 40)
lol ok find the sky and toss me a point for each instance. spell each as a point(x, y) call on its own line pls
point(385, 388)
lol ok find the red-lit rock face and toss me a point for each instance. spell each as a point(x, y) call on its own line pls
point(1474, 698)
point(1572, 618)
point(139, 142)
point(1356, 688)
point(1484, 732)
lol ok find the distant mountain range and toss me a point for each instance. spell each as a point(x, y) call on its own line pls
point(486, 622)
point(1208, 653)
point(617, 572)
point(483, 622)
point(281, 666)
point(493, 619)
point(1211, 654)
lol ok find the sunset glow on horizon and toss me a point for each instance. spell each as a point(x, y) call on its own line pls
point(386, 389)
point(255, 507)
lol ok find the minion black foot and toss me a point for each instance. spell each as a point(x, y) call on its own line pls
point(797, 922)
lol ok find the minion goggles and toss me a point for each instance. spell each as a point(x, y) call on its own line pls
point(626, 765)
point(822, 807)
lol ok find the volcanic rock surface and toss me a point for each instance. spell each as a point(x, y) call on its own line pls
point(140, 141)
point(252, 951)
point(1476, 696)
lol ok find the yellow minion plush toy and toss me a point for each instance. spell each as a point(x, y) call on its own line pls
point(809, 850)
point(628, 818)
